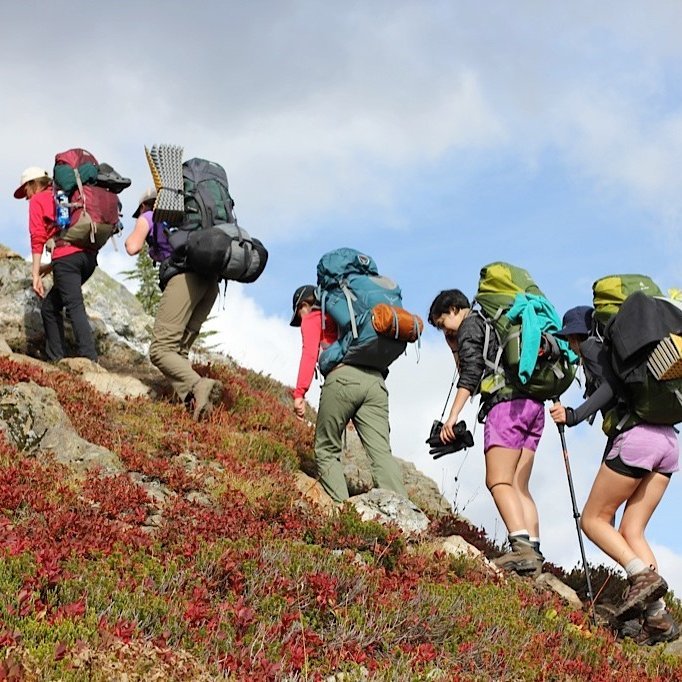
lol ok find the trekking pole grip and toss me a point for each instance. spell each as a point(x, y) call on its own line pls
point(561, 427)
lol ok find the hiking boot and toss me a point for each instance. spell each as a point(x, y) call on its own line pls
point(644, 588)
point(659, 628)
point(523, 559)
point(207, 394)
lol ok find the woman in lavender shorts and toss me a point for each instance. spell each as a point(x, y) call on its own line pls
point(512, 431)
point(635, 471)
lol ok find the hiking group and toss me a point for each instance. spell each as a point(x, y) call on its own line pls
point(511, 349)
point(509, 345)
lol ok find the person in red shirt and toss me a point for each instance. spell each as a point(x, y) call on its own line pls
point(349, 394)
point(71, 267)
point(308, 317)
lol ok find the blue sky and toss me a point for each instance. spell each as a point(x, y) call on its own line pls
point(436, 136)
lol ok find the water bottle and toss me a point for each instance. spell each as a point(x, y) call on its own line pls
point(63, 215)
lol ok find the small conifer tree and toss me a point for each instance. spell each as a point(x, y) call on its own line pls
point(147, 275)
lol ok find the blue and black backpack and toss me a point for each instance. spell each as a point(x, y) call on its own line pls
point(349, 287)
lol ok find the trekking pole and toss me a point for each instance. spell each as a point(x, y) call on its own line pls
point(576, 516)
point(447, 400)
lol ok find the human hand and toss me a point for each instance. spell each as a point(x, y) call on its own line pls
point(558, 413)
point(45, 269)
point(299, 408)
point(447, 433)
point(38, 285)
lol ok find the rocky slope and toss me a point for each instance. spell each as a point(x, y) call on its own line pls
point(139, 545)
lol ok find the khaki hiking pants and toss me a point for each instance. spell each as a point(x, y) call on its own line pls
point(357, 394)
point(185, 304)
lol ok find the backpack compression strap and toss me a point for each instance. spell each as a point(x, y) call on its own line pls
point(85, 208)
point(349, 298)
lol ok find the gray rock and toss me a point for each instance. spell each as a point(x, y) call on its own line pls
point(34, 421)
point(122, 329)
point(5, 350)
point(117, 385)
point(157, 491)
point(421, 489)
point(457, 546)
point(674, 648)
point(551, 582)
point(386, 506)
point(313, 492)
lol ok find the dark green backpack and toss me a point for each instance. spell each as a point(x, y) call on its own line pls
point(498, 285)
point(641, 321)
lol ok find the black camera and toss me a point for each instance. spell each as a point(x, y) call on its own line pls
point(463, 439)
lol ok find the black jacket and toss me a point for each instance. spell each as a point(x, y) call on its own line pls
point(469, 354)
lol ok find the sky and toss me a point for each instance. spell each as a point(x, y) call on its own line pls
point(436, 136)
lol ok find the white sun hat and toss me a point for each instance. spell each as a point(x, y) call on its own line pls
point(31, 173)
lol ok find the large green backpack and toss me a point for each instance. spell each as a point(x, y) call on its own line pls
point(635, 317)
point(498, 286)
point(610, 292)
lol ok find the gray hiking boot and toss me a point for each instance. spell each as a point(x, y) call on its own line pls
point(659, 628)
point(207, 394)
point(644, 588)
point(523, 558)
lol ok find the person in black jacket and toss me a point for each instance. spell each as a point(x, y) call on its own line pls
point(636, 468)
point(513, 426)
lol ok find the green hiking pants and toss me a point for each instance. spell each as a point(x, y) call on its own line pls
point(357, 394)
point(185, 304)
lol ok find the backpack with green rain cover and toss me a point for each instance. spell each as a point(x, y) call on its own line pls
point(610, 292)
point(500, 286)
point(635, 318)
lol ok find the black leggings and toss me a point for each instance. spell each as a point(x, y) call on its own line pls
point(69, 273)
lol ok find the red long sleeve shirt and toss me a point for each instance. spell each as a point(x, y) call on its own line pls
point(313, 337)
point(41, 224)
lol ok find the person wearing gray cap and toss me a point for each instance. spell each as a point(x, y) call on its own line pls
point(71, 267)
point(636, 468)
point(185, 305)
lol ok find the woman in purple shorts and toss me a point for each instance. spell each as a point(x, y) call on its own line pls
point(636, 470)
point(513, 428)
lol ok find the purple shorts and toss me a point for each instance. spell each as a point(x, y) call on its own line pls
point(515, 424)
point(648, 446)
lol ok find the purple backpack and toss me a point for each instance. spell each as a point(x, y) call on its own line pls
point(157, 239)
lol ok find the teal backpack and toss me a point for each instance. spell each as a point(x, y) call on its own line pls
point(349, 286)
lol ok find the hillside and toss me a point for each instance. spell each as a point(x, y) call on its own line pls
point(138, 545)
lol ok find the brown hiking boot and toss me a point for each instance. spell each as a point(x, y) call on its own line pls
point(644, 588)
point(659, 628)
point(207, 394)
point(523, 559)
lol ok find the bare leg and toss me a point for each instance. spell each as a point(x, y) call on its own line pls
point(609, 491)
point(638, 510)
point(500, 471)
point(524, 469)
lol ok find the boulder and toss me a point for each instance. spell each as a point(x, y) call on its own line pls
point(313, 492)
point(34, 421)
point(421, 489)
point(551, 582)
point(386, 506)
point(457, 546)
point(122, 329)
point(117, 385)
